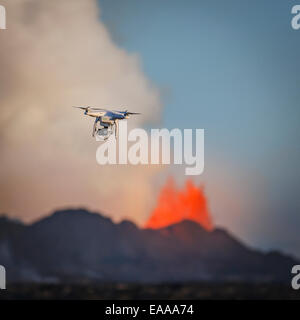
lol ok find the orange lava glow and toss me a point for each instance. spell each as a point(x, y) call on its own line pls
point(177, 205)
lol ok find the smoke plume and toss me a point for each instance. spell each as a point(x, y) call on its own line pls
point(55, 54)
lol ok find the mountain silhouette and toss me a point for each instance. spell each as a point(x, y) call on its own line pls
point(77, 245)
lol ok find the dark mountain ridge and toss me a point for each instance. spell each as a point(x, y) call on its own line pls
point(77, 245)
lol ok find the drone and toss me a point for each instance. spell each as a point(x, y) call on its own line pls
point(106, 122)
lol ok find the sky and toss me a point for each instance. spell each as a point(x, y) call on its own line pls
point(229, 67)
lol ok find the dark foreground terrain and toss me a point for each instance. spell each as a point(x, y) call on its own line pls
point(139, 291)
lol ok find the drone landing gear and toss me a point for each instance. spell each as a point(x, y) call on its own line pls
point(103, 130)
point(95, 129)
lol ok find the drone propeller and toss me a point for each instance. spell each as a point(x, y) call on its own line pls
point(83, 108)
point(90, 108)
point(126, 112)
point(131, 113)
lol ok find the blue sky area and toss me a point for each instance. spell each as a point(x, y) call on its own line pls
point(233, 68)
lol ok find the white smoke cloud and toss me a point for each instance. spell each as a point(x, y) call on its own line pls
point(55, 54)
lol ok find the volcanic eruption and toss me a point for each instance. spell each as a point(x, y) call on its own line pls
point(175, 205)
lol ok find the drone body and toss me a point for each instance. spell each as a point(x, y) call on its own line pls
point(106, 121)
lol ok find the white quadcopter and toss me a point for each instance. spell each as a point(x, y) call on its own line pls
point(106, 122)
